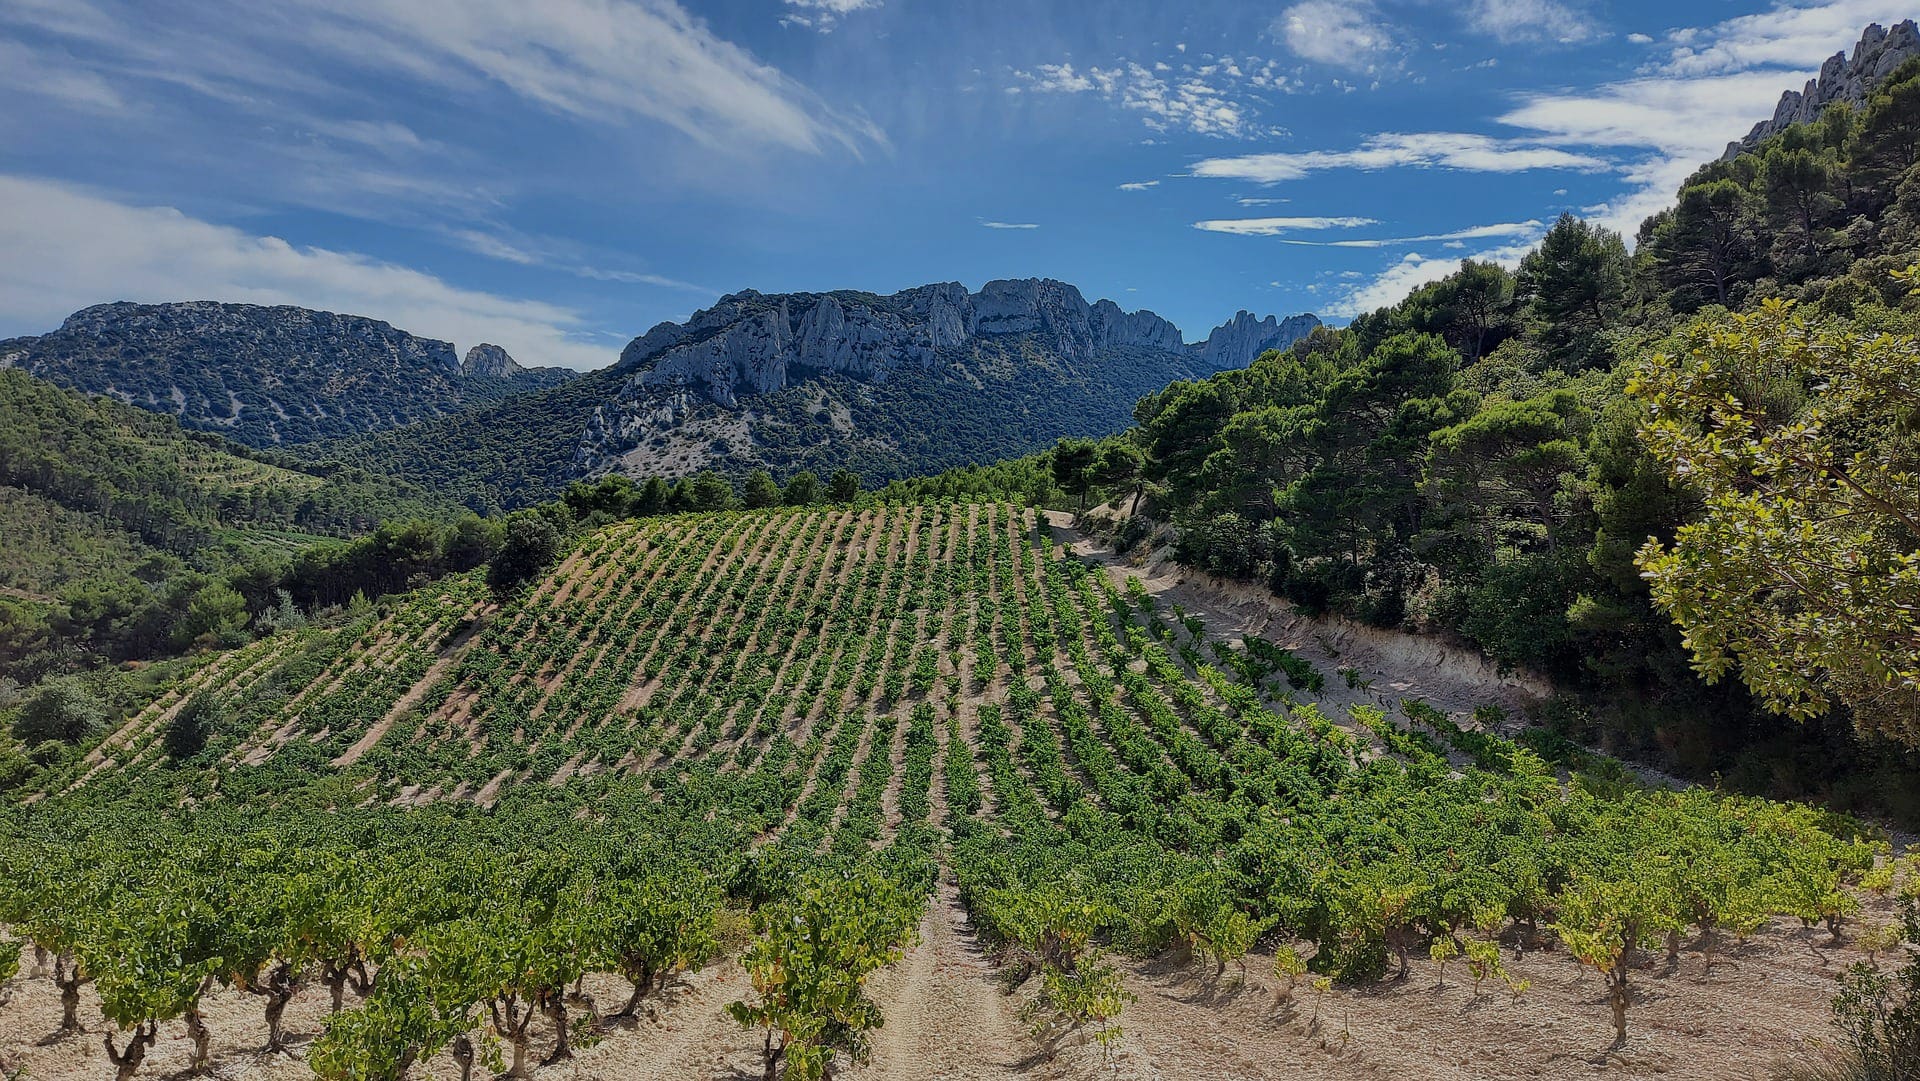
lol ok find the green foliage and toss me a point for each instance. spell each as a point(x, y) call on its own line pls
point(1572, 288)
point(1072, 463)
point(843, 486)
point(1124, 796)
point(1467, 461)
point(760, 492)
point(529, 544)
point(803, 490)
point(62, 709)
point(712, 492)
point(809, 969)
point(1803, 565)
point(192, 725)
point(1879, 1014)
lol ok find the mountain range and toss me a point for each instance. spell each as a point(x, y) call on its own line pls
point(917, 381)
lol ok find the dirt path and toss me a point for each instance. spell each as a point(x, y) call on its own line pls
point(946, 1014)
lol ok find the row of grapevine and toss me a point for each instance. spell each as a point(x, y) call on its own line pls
point(803, 715)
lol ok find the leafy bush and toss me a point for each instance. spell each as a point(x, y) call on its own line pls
point(61, 709)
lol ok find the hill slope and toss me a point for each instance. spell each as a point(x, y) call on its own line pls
point(268, 376)
point(746, 700)
point(105, 509)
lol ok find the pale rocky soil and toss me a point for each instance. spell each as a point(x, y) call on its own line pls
point(950, 1016)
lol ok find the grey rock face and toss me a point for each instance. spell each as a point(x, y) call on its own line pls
point(1235, 343)
point(1090, 360)
point(490, 362)
point(749, 342)
point(1841, 78)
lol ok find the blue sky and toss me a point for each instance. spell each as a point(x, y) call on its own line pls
point(558, 176)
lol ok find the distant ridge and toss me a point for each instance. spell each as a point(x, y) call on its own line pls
point(1026, 360)
point(268, 376)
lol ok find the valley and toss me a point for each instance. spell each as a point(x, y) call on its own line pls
point(1510, 672)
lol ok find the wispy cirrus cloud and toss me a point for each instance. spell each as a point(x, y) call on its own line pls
point(597, 62)
point(1140, 185)
point(91, 247)
point(1514, 22)
point(1278, 226)
point(1442, 150)
point(550, 253)
point(1216, 96)
point(56, 78)
point(1529, 230)
point(823, 15)
point(1009, 224)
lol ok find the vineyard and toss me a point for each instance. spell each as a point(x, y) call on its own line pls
point(723, 792)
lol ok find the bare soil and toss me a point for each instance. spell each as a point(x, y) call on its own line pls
point(949, 1015)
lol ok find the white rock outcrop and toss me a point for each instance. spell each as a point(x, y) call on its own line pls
point(1235, 343)
point(749, 342)
point(1841, 78)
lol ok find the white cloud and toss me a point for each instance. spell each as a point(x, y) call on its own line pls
point(1788, 36)
point(600, 59)
point(1412, 271)
point(1348, 35)
point(1009, 224)
point(600, 62)
point(553, 254)
point(89, 248)
point(1515, 21)
point(1391, 286)
point(1712, 85)
point(822, 15)
point(1277, 226)
point(1139, 185)
point(1447, 150)
point(378, 134)
point(1214, 98)
point(1640, 39)
point(1681, 124)
point(30, 71)
point(1531, 230)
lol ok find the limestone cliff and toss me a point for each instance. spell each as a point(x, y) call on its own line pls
point(1842, 78)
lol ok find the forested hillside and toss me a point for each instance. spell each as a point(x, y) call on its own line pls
point(1471, 461)
point(268, 376)
point(128, 537)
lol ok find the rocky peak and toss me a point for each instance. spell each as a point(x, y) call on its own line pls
point(1841, 78)
point(490, 362)
point(1236, 342)
point(747, 342)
